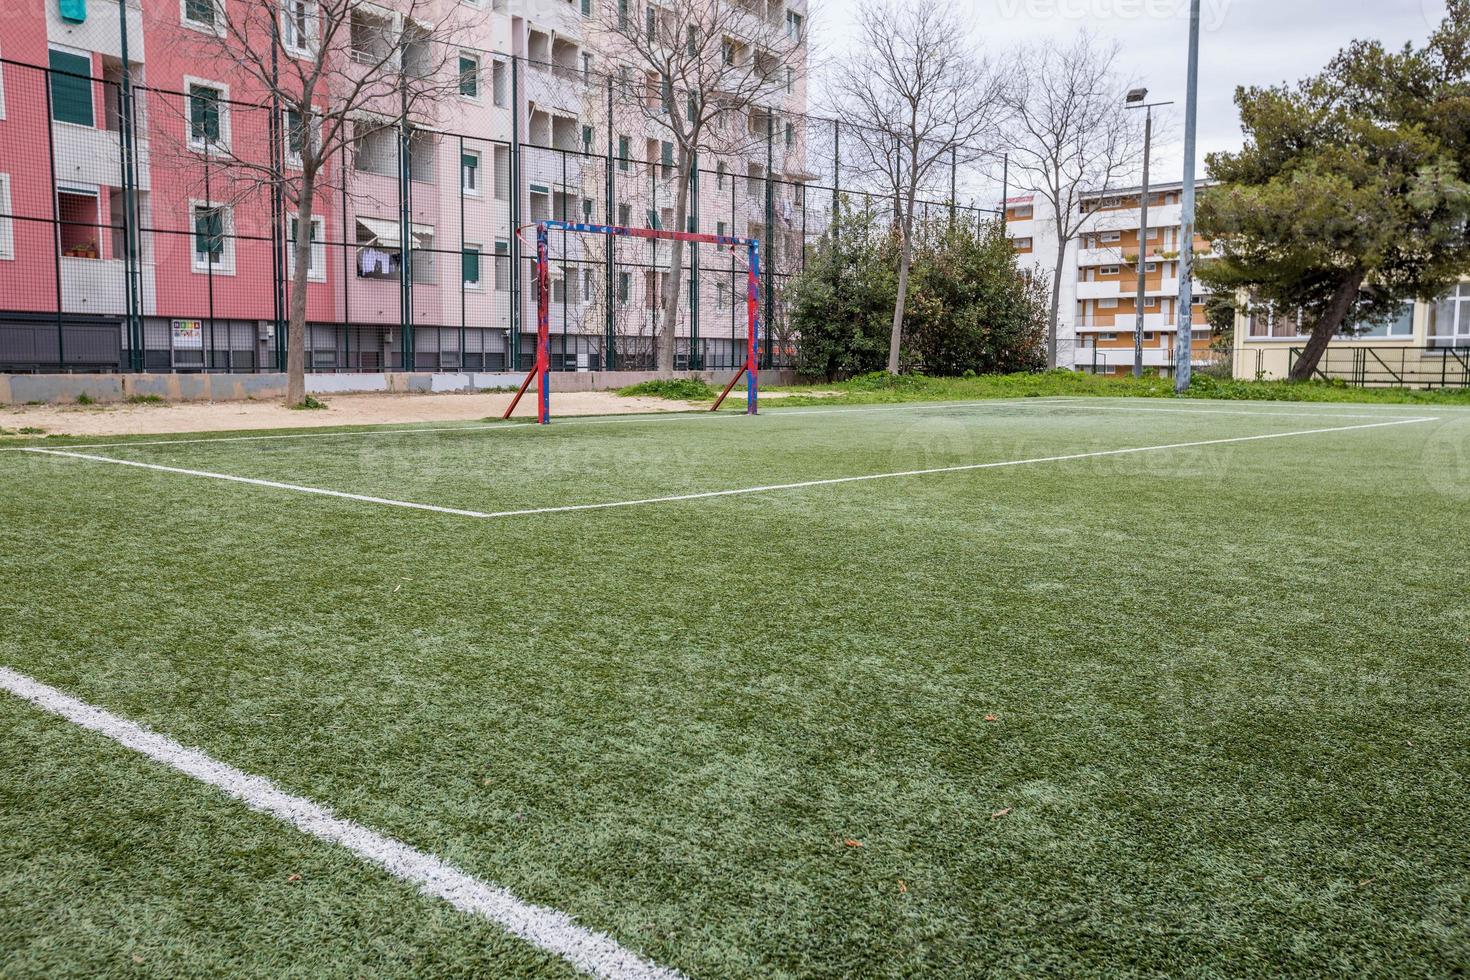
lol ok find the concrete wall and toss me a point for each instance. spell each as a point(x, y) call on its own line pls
point(19, 389)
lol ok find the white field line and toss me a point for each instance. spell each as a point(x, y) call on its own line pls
point(547, 928)
point(556, 423)
point(1142, 410)
point(740, 491)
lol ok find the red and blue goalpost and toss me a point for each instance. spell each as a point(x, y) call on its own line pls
point(542, 370)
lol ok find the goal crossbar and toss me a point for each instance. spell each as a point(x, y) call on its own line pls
point(542, 369)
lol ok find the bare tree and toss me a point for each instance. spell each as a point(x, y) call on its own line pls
point(1068, 133)
point(707, 74)
point(914, 100)
point(338, 72)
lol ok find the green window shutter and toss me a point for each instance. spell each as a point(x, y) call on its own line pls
point(469, 77)
point(652, 218)
point(666, 154)
point(586, 139)
point(204, 118)
point(624, 287)
point(470, 260)
point(71, 96)
point(209, 233)
point(586, 8)
point(623, 153)
point(622, 13)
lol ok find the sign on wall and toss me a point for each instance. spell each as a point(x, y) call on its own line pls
point(188, 334)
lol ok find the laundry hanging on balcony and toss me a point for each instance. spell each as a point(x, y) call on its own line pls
point(73, 11)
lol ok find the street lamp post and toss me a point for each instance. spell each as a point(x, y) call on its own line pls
point(1135, 100)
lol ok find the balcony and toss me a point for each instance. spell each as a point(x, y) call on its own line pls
point(1110, 289)
point(1128, 219)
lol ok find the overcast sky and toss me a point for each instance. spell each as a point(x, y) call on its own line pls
point(1242, 42)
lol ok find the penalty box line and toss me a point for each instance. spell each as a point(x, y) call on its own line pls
point(549, 929)
point(710, 494)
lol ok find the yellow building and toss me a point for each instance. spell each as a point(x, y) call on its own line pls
point(1426, 346)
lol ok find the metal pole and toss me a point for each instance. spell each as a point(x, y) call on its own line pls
point(55, 219)
point(1005, 190)
point(1183, 339)
point(770, 226)
point(694, 358)
point(610, 353)
point(836, 177)
point(132, 271)
point(1148, 131)
point(514, 354)
point(752, 327)
point(543, 329)
point(954, 167)
point(405, 239)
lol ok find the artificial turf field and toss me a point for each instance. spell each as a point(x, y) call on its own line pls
point(1196, 709)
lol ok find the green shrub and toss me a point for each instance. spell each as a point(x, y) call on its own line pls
point(309, 404)
point(144, 400)
point(86, 399)
point(675, 389)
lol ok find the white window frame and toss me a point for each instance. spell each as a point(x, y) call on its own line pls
point(318, 270)
point(198, 146)
point(288, 28)
point(478, 189)
point(1108, 303)
point(200, 26)
point(226, 265)
point(7, 224)
point(1110, 236)
point(479, 96)
point(1023, 243)
point(313, 131)
point(1109, 270)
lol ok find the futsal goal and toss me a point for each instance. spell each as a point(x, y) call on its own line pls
point(541, 370)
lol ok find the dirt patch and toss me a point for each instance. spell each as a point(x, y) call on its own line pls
point(363, 409)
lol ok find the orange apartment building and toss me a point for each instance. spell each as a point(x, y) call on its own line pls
point(1099, 276)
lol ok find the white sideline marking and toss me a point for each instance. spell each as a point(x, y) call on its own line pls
point(274, 485)
point(547, 928)
point(704, 495)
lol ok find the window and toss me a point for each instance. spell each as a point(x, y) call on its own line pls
point(469, 172)
point(586, 8)
point(1110, 236)
point(720, 175)
point(793, 24)
point(623, 150)
point(1111, 303)
point(691, 41)
point(206, 107)
point(469, 77)
point(790, 136)
point(625, 215)
point(502, 266)
point(214, 247)
point(651, 22)
point(297, 135)
point(200, 13)
point(469, 260)
point(586, 139)
point(498, 72)
point(1449, 319)
point(790, 80)
point(666, 158)
point(316, 260)
point(622, 14)
point(1107, 270)
point(625, 287)
point(587, 67)
point(371, 37)
point(298, 26)
point(7, 229)
point(71, 88)
point(375, 148)
point(1023, 244)
point(1150, 267)
point(420, 150)
point(1401, 324)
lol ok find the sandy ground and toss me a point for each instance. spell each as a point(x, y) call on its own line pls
point(367, 409)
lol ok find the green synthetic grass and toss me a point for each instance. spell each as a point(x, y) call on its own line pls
point(883, 388)
point(1227, 683)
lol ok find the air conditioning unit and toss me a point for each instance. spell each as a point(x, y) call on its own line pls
point(387, 338)
point(267, 331)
